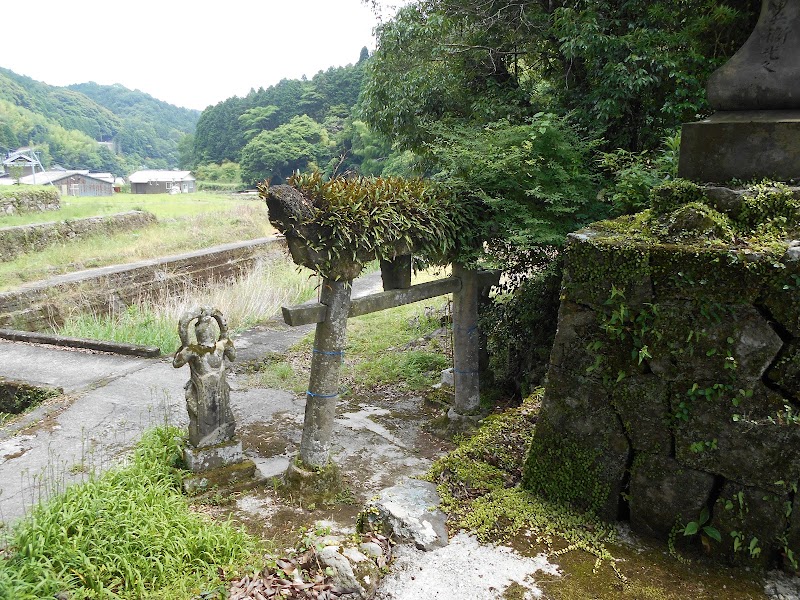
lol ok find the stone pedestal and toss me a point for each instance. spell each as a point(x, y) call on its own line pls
point(231, 477)
point(742, 145)
point(213, 457)
point(673, 384)
point(223, 466)
point(757, 95)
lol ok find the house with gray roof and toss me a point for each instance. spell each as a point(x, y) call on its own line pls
point(162, 182)
point(72, 183)
point(22, 158)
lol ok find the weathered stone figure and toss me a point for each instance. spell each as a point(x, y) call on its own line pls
point(211, 421)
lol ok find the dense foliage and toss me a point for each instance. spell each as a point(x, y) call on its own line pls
point(277, 153)
point(66, 124)
point(352, 221)
point(553, 113)
point(625, 71)
point(296, 124)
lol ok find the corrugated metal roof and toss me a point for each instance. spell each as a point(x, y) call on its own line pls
point(147, 176)
point(48, 177)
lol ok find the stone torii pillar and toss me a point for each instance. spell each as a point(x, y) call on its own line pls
point(323, 386)
point(466, 344)
point(331, 314)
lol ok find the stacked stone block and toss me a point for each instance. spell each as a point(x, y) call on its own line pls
point(673, 382)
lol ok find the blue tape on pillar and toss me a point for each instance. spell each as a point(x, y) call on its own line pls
point(313, 395)
point(328, 352)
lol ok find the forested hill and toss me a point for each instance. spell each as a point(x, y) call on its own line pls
point(294, 124)
point(66, 123)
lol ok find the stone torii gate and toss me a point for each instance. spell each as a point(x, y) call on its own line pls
point(335, 306)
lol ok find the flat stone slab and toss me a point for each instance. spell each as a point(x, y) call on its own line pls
point(408, 512)
point(463, 569)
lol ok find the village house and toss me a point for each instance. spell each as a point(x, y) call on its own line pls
point(73, 183)
point(24, 160)
point(162, 182)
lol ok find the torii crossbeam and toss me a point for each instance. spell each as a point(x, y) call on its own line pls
point(335, 306)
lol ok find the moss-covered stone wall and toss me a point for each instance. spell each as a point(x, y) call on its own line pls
point(28, 198)
point(673, 390)
point(30, 238)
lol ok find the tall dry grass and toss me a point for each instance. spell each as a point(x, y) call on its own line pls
point(251, 299)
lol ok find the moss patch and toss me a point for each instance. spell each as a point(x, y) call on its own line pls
point(479, 486)
point(17, 397)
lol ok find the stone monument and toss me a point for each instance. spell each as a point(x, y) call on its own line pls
point(754, 133)
point(212, 451)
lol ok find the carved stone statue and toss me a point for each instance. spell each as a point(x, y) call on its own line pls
point(753, 135)
point(765, 73)
point(211, 420)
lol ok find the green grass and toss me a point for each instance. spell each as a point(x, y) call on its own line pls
point(186, 222)
point(253, 298)
point(128, 533)
point(163, 206)
point(383, 348)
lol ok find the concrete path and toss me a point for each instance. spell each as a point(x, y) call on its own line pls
point(110, 400)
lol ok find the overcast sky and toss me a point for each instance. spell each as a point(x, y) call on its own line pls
point(187, 53)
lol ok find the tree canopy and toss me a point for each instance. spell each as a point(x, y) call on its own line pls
point(244, 129)
point(623, 70)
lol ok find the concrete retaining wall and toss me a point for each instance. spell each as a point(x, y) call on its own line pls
point(28, 238)
point(38, 305)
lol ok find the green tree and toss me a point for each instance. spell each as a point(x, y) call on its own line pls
point(218, 135)
point(532, 177)
point(186, 156)
point(275, 154)
point(227, 172)
point(16, 173)
point(257, 119)
point(624, 70)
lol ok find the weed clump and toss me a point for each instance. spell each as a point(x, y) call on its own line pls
point(125, 534)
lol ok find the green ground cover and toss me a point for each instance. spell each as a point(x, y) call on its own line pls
point(163, 206)
point(127, 534)
point(391, 347)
